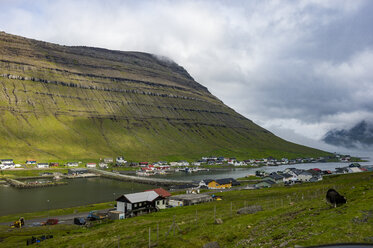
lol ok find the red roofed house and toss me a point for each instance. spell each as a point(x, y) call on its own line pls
point(163, 193)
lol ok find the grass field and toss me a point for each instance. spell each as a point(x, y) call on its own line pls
point(296, 215)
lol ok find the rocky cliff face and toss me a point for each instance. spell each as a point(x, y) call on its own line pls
point(80, 102)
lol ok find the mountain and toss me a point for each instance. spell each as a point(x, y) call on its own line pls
point(360, 135)
point(61, 102)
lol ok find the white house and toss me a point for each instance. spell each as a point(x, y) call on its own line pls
point(91, 165)
point(42, 165)
point(239, 163)
point(288, 178)
point(72, 164)
point(6, 161)
point(139, 203)
point(120, 160)
point(103, 165)
point(354, 169)
point(304, 176)
point(108, 160)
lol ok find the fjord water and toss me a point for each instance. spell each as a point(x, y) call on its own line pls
point(77, 192)
point(85, 191)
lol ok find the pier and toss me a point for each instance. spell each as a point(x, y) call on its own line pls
point(145, 180)
point(21, 185)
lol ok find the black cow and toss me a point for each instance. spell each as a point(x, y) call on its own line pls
point(334, 198)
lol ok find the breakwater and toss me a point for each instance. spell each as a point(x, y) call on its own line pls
point(145, 180)
point(21, 185)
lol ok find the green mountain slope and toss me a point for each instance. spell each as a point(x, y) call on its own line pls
point(60, 102)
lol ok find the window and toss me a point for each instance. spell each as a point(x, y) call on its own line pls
point(135, 205)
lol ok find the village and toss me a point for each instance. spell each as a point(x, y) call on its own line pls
point(148, 168)
point(182, 193)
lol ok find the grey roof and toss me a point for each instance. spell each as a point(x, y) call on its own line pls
point(305, 173)
point(190, 197)
point(286, 175)
point(276, 176)
point(142, 196)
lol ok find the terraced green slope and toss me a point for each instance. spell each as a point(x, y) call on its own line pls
point(59, 102)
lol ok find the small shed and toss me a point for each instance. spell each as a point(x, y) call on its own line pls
point(190, 199)
point(265, 184)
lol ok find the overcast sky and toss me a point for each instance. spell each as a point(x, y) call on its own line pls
point(297, 68)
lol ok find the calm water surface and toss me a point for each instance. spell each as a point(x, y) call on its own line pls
point(77, 192)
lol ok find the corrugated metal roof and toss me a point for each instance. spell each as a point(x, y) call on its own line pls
point(142, 196)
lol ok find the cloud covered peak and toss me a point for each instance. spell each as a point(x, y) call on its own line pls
point(359, 136)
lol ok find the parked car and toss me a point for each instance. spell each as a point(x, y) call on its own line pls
point(79, 221)
point(50, 222)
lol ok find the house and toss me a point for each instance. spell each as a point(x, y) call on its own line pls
point(265, 184)
point(31, 162)
point(6, 161)
point(188, 199)
point(163, 193)
point(341, 170)
point(139, 203)
point(315, 173)
point(305, 176)
point(183, 187)
point(91, 165)
point(219, 183)
point(108, 160)
point(72, 164)
point(144, 164)
point(103, 165)
point(274, 177)
point(315, 179)
point(42, 165)
point(53, 164)
point(77, 171)
point(287, 178)
point(354, 169)
point(120, 160)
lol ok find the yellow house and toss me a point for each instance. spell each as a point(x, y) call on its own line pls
point(220, 184)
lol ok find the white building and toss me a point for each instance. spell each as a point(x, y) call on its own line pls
point(304, 176)
point(103, 165)
point(72, 164)
point(91, 165)
point(42, 165)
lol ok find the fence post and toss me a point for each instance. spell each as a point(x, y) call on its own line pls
point(231, 209)
point(196, 216)
point(157, 232)
point(149, 238)
point(214, 213)
point(118, 241)
point(174, 225)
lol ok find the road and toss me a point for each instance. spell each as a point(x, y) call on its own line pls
point(62, 219)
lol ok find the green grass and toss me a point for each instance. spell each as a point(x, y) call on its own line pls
point(249, 178)
point(56, 212)
point(51, 122)
point(28, 172)
point(296, 215)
